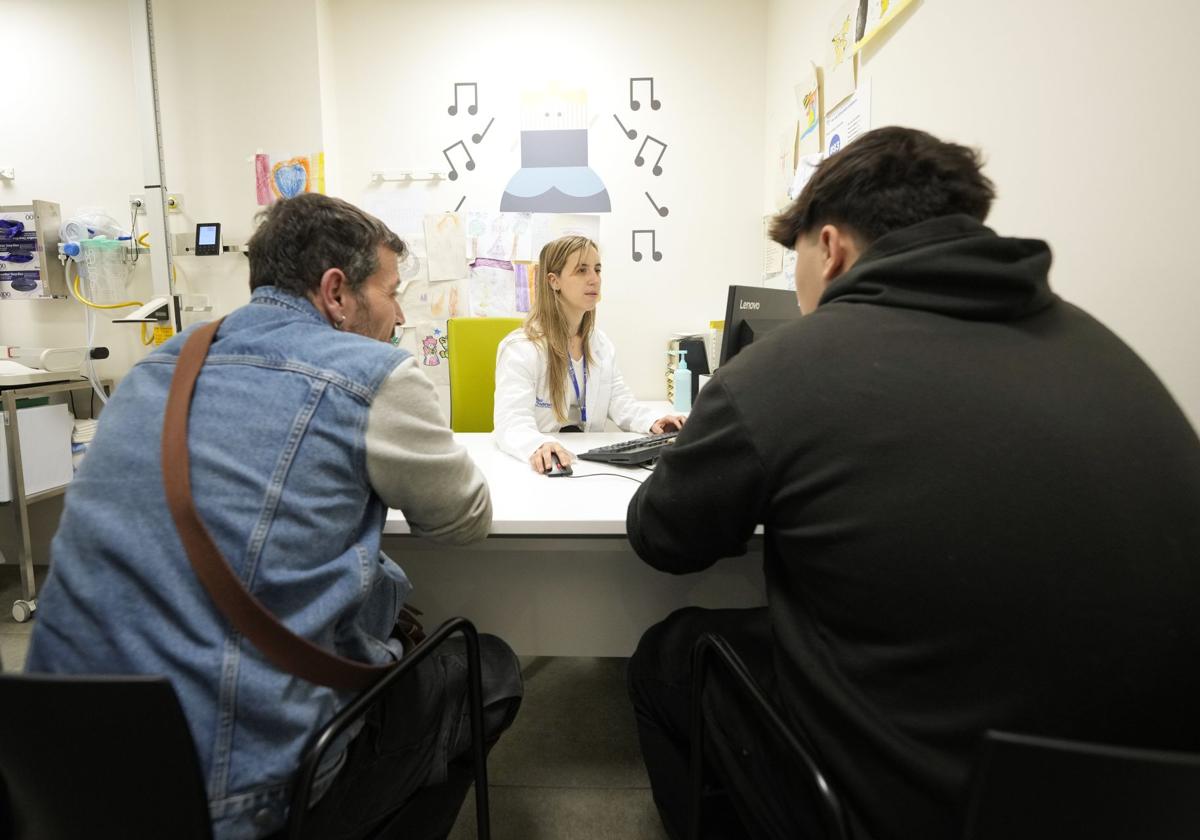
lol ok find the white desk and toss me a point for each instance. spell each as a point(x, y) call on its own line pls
point(557, 577)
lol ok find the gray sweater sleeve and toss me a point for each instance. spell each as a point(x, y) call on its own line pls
point(414, 464)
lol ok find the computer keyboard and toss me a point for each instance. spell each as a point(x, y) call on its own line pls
point(631, 452)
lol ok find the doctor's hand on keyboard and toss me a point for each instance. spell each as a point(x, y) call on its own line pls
point(669, 423)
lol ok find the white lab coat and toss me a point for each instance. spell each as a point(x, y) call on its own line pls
point(524, 417)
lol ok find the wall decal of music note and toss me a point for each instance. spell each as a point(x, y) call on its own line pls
point(628, 132)
point(470, 160)
point(662, 211)
point(639, 160)
point(634, 104)
point(655, 254)
point(473, 108)
point(460, 203)
point(478, 138)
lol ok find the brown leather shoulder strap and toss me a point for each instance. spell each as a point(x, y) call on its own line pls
point(288, 651)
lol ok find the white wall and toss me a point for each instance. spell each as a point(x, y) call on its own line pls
point(70, 131)
point(394, 65)
point(235, 78)
point(369, 82)
point(1087, 116)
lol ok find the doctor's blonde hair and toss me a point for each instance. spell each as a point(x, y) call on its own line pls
point(546, 325)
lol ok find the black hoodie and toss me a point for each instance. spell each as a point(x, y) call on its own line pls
point(982, 510)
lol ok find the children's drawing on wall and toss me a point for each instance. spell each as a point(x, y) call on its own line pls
point(554, 176)
point(808, 106)
point(445, 247)
point(525, 281)
point(288, 178)
point(499, 236)
point(443, 301)
point(434, 350)
point(839, 58)
point(411, 267)
point(493, 289)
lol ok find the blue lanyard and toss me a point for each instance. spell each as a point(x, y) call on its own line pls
point(581, 398)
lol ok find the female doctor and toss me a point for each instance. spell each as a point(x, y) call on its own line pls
point(558, 373)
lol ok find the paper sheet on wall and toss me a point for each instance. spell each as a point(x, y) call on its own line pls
point(874, 16)
point(850, 120)
point(433, 350)
point(785, 278)
point(785, 165)
point(492, 289)
point(424, 301)
point(772, 250)
point(805, 169)
point(499, 236)
point(808, 109)
point(550, 226)
point(525, 283)
point(839, 56)
point(403, 212)
point(445, 247)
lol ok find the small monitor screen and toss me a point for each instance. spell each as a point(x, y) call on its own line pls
point(207, 235)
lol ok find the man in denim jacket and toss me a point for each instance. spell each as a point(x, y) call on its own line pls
point(306, 425)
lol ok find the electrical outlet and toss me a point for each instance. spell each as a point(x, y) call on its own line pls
point(138, 202)
point(174, 202)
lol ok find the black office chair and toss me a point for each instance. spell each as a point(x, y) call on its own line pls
point(88, 756)
point(712, 648)
point(315, 751)
point(97, 757)
point(1045, 789)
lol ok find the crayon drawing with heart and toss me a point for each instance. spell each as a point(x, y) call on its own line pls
point(288, 178)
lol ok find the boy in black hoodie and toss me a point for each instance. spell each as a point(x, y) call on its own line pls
point(981, 511)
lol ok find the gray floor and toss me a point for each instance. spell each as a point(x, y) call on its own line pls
point(569, 767)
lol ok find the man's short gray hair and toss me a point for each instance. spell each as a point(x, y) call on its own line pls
point(299, 239)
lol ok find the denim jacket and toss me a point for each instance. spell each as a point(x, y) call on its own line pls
point(279, 477)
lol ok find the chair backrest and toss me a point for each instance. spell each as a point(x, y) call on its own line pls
point(815, 804)
point(1045, 789)
point(97, 757)
point(472, 344)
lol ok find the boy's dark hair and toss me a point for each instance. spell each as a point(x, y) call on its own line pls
point(888, 179)
point(299, 239)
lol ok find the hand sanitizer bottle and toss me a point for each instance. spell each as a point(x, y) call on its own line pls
point(683, 382)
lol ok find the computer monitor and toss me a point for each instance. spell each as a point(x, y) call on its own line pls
point(753, 311)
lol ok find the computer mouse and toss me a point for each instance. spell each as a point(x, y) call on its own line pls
point(559, 469)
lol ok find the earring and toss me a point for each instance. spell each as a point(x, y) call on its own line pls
point(341, 321)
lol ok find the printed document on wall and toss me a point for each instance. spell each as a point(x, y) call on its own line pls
point(772, 250)
point(849, 120)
